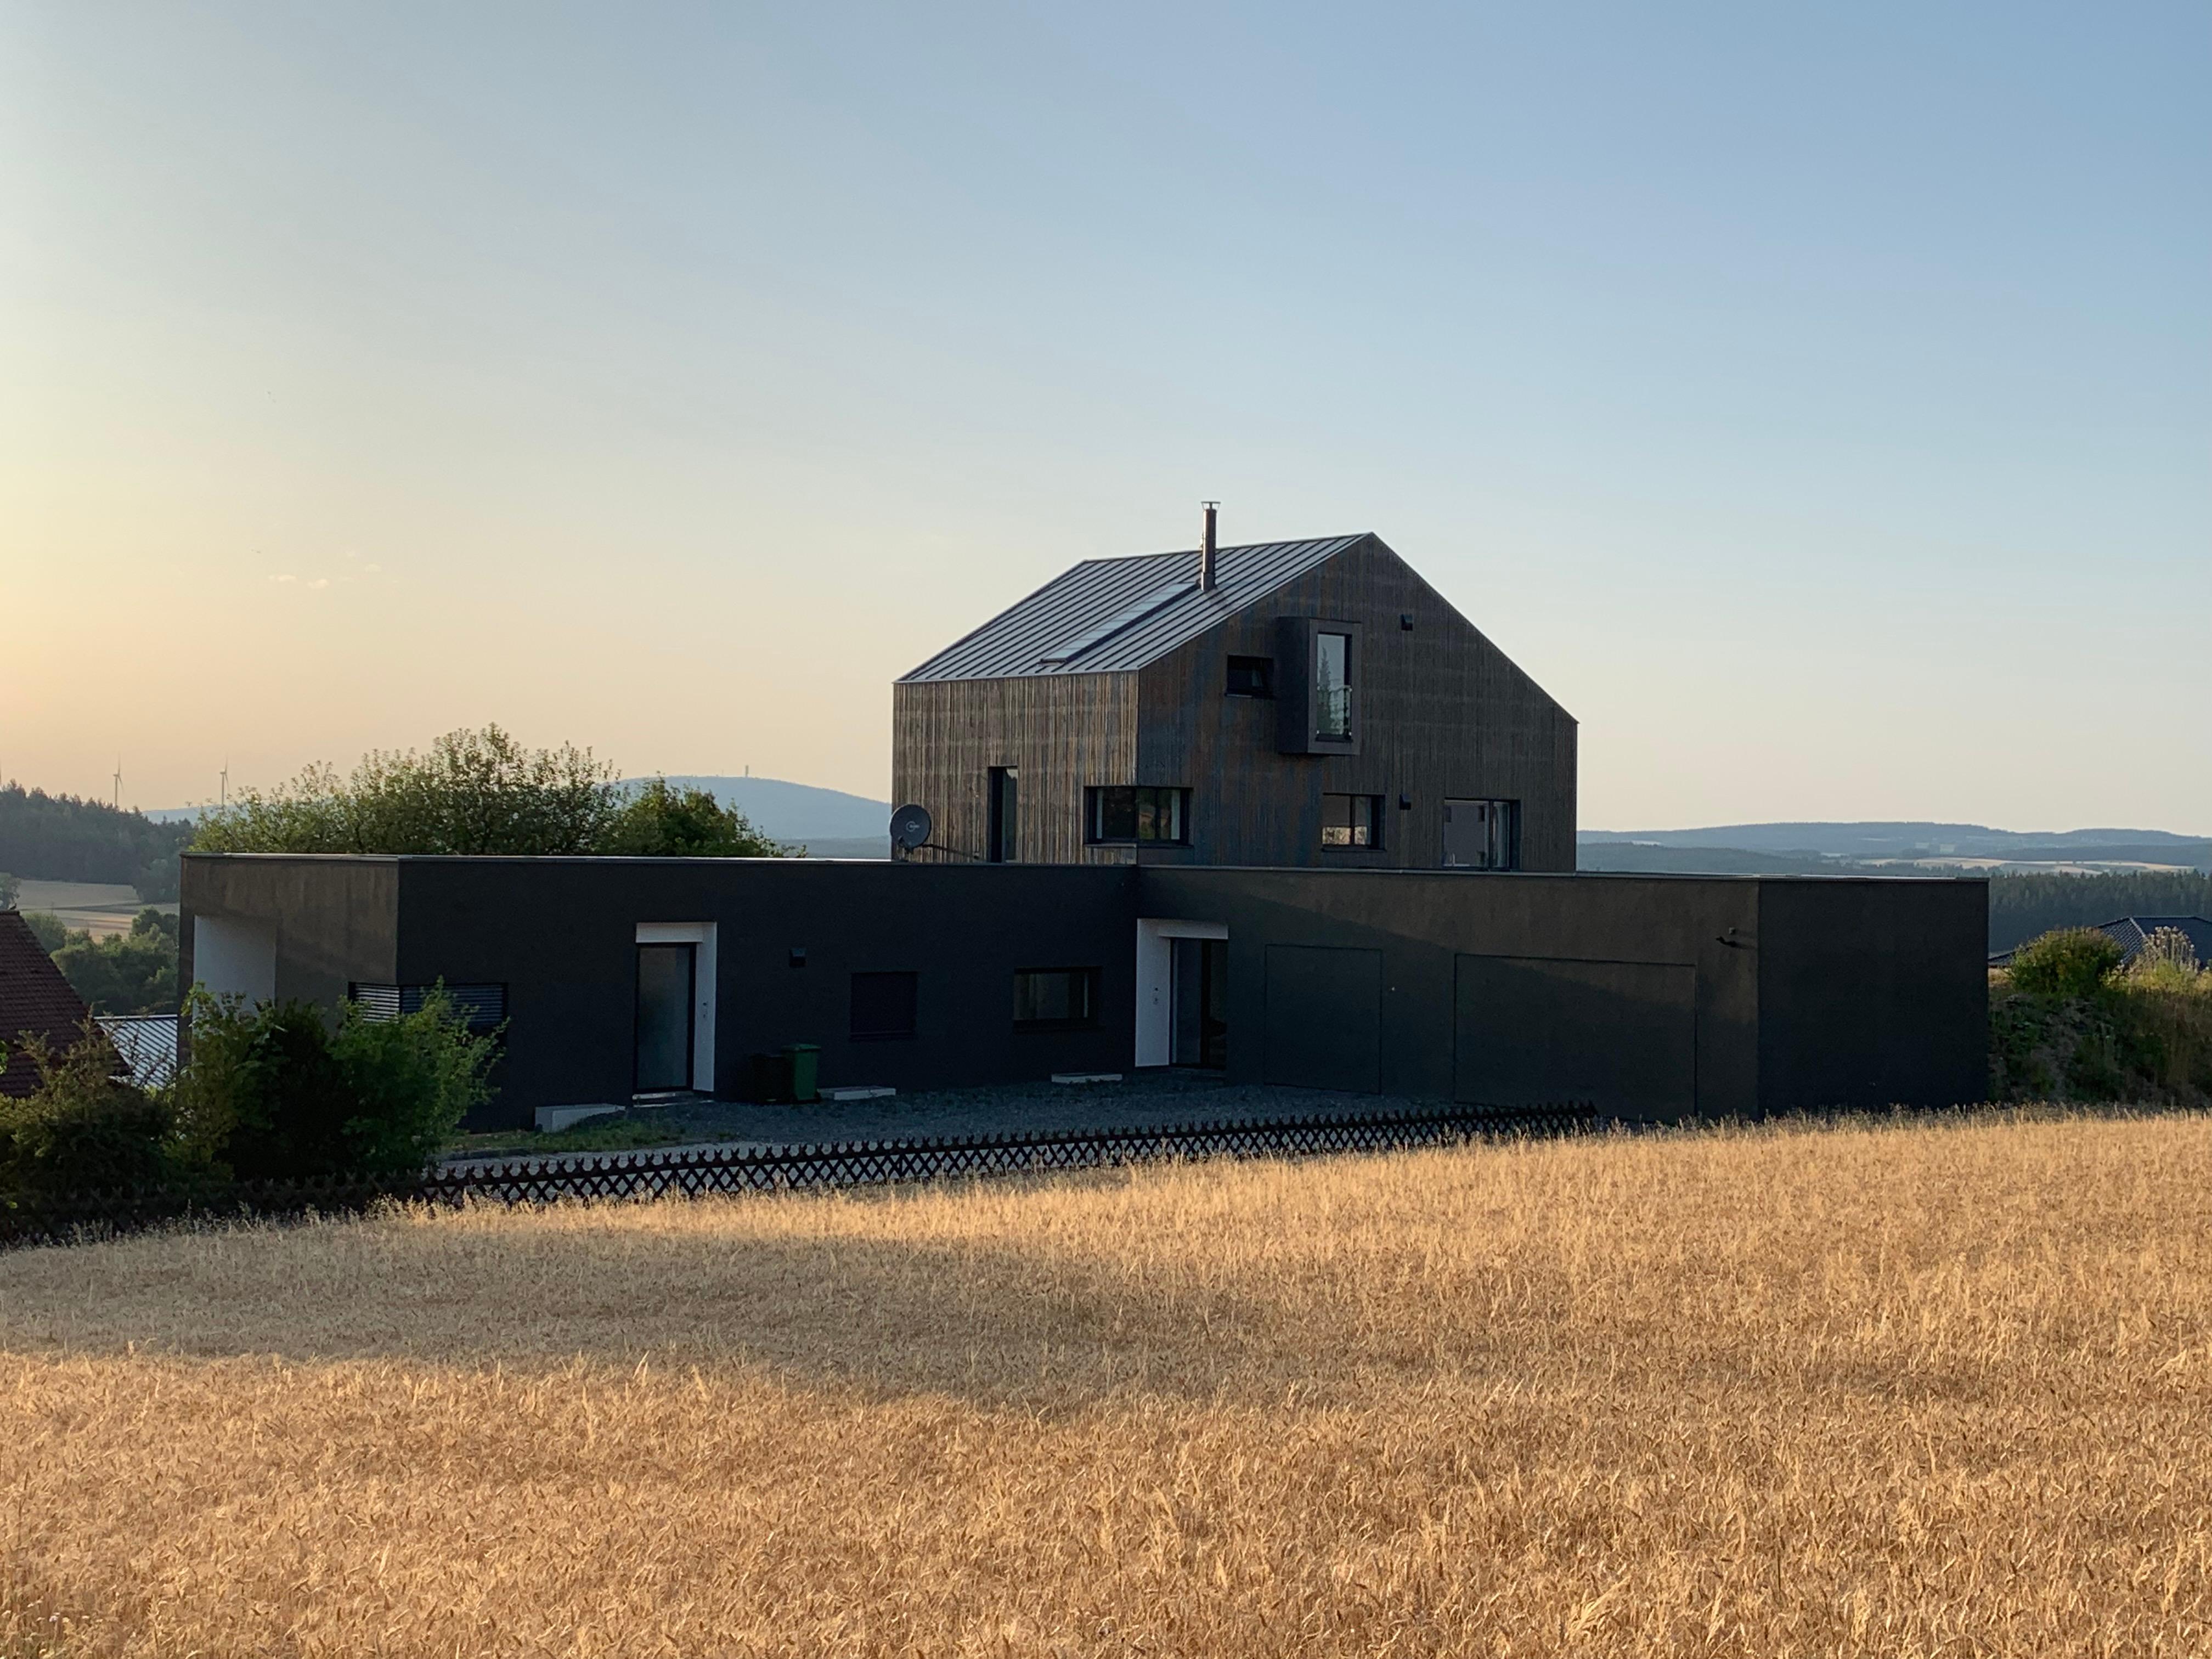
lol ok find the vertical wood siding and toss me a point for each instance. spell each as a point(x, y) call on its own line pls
point(1063, 731)
point(1442, 713)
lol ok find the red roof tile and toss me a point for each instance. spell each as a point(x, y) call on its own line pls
point(34, 1001)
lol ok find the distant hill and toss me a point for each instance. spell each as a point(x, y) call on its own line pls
point(800, 811)
point(1808, 844)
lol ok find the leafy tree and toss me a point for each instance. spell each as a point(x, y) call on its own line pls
point(479, 792)
point(132, 974)
point(662, 821)
point(50, 930)
point(10, 889)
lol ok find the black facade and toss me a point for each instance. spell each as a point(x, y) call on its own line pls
point(1656, 997)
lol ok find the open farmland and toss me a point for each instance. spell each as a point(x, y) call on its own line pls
point(1874, 1389)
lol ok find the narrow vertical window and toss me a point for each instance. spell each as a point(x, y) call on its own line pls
point(1332, 686)
point(1005, 838)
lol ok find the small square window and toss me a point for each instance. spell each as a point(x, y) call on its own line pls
point(1251, 676)
point(1351, 821)
point(1055, 999)
point(883, 1004)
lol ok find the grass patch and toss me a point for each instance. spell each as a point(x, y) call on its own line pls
point(1875, 1387)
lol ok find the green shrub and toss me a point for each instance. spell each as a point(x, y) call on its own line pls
point(83, 1127)
point(2067, 962)
point(274, 1092)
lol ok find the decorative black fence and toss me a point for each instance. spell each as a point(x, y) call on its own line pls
point(858, 1164)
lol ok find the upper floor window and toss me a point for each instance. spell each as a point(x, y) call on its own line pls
point(1251, 676)
point(1482, 835)
point(1352, 820)
point(1136, 814)
point(1003, 830)
point(1332, 686)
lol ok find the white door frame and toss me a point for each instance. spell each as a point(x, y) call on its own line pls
point(1156, 982)
point(701, 934)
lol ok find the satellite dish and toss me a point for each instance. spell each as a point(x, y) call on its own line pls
point(910, 828)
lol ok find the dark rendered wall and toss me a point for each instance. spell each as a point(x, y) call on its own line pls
point(1656, 997)
point(1497, 989)
point(560, 933)
point(1874, 993)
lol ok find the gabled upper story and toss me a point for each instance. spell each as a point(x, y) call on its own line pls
point(1283, 703)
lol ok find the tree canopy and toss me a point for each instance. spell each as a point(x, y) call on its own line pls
point(482, 793)
point(64, 838)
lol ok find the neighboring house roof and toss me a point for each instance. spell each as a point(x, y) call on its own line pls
point(35, 1000)
point(146, 1043)
point(2131, 933)
point(1112, 615)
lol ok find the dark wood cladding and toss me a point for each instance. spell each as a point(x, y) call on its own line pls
point(1441, 714)
point(1062, 731)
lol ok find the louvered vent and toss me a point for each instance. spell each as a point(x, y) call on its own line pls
point(482, 1006)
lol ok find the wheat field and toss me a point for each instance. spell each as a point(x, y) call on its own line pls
point(1897, 1389)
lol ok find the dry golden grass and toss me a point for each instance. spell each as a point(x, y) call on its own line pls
point(1880, 1390)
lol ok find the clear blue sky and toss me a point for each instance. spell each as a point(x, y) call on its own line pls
point(1817, 401)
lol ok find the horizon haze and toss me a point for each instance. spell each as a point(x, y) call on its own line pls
point(1816, 405)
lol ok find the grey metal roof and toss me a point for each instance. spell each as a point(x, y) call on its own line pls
point(1110, 615)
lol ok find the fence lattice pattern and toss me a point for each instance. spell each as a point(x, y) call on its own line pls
point(859, 1163)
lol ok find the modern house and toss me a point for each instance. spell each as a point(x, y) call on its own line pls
point(1276, 810)
point(1287, 704)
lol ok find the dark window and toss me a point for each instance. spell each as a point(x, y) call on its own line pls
point(1055, 999)
point(1137, 814)
point(883, 1004)
point(1352, 820)
point(1251, 676)
point(1332, 683)
point(1004, 838)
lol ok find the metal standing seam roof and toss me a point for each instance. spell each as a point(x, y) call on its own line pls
point(1112, 615)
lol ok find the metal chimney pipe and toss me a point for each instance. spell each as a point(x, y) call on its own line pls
point(1205, 571)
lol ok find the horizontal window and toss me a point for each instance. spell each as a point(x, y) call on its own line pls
point(1251, 676)
point(1055, 999)
point(1352, 820)
point(883, 1004)
point(482, 1006)
point(1141, 814)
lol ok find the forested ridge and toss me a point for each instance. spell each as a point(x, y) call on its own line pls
point(68, 838)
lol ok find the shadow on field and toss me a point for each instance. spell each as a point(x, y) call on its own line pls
point(1052, 1323)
